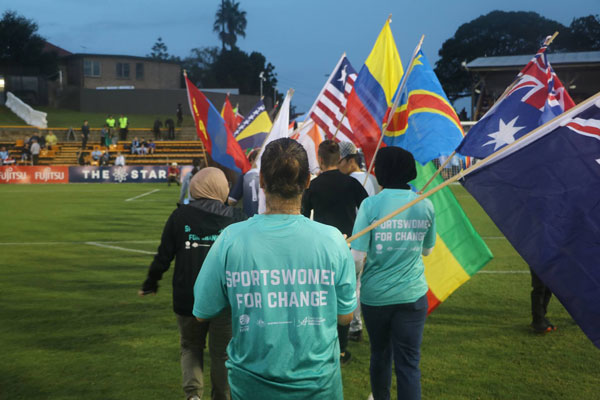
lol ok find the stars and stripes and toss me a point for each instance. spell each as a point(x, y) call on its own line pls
point(330, 106)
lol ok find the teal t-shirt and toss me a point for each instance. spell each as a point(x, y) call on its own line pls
point(394, 272)
point(286, 278)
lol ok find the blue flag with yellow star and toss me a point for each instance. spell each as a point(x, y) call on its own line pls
point(534, 98)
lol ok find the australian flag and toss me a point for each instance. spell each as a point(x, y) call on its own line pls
point(535, 97)
point(544, 195)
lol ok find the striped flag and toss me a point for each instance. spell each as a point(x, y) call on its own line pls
point(459, 251)
point(330, 106)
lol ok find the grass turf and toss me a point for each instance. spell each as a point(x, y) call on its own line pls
point(72, 326)
point(63, 118)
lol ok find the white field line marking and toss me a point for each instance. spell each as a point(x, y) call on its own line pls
point(69, 243)
point(503, 272)
point(120, 248)
point(143, 194)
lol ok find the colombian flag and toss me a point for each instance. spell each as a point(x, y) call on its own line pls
point(424, 123)
point(459, 251)
point(373, 91)
point(215, 135)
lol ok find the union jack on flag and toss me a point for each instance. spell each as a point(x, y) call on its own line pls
point(535, 97)
point(330, 106)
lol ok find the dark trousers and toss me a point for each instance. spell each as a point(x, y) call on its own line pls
point(540, 297)
point(193, 341)
point(343, 337)
point(395, 333)
point(84, 142)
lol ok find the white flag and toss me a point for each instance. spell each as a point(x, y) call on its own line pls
point(280, 125)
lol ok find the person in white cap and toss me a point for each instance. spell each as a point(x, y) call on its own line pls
point(351, 163)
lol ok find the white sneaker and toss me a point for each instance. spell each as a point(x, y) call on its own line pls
point(370, 396)
point(194, 397)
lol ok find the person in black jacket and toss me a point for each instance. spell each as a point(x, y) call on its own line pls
point(334, 198)
point(188, 234)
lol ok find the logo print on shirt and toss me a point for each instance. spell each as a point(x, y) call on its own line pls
point(244, 321)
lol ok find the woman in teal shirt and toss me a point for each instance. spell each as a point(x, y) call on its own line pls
point(288, 280)
point(393, 286)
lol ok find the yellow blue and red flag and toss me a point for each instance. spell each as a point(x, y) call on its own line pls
point(425, 123)
point(215, 135)
point(373, 91)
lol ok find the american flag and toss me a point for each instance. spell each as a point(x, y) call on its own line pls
point(328, 109)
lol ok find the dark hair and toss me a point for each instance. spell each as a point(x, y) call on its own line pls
point(356, 157)
point(395, 167)
point(196, 161)
point(329, 151)
point(284, 168)
point(252, 156)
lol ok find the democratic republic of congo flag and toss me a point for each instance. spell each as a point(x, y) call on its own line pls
point(211, 129)
point(373, 90)
point(459, 251)
point(424, 123)
point(253, 130)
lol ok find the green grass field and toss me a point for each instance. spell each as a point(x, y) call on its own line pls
point(63, 118)
point(71, 325)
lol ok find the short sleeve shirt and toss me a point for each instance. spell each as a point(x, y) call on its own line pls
point(286, 279)
point(394, 272)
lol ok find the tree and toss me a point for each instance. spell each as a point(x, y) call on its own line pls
point(230, 69)
point(498, 33)
point(230, 22)
point(159, 50)
point(22, 47)
point(584, 33)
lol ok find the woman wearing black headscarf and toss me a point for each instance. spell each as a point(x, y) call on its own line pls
point(394, 289)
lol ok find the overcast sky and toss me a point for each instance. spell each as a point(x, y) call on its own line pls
point(303, 39)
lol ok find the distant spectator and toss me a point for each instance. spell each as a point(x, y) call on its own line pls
point(105, 159)
point(51, 140)
point(247, 187)
point(35, 152)
point(104, 135)
point(151, 146)
point(179, 115)
point(156, 129)
point(120, 160)
point(143, 147)
point(96, 154)
point(5, 158)
point(184, 195)
point(25, 150)
point(85, 133)
point(173, 174)
point(123, 127)
point(170, 125)
point(135, 146)
point(81, 158)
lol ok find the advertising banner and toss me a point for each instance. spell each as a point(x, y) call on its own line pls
point(127, 174)
point(31, 174)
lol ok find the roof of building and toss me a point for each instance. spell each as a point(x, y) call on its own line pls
point(580, 57)
point(49, 47)
point(82, 55)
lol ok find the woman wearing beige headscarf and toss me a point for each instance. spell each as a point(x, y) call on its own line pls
point(189, 233)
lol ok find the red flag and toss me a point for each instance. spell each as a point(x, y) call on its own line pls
point(214, 133)
point(228, 115)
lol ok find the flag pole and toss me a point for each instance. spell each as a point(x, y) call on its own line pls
point(337, 129)
point(472, 168)
point(187, 92)
point(437, 172)
point(395, 105)
point(290, 92)
point(547, 42)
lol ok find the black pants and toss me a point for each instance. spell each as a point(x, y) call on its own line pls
point(84, 142)
point(343, 337)
point(123, 134)
point(540, 297)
